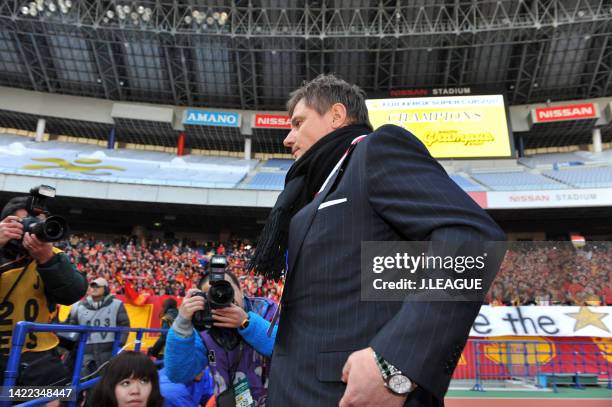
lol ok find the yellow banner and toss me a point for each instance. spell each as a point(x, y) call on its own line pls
point(140, 317)
point(450, 127)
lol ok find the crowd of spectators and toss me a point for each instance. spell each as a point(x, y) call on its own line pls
point(533, 273)
point(155, 267)
point(554, 273)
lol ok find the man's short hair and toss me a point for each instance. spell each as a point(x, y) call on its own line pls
point(326, 90)
point(13, 206)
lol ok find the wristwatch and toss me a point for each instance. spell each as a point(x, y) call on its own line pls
point(245, 323)
point(393, 378)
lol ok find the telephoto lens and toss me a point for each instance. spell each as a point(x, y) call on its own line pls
point(52, 229)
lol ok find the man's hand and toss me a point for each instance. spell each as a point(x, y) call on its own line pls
point(10, 228)
point(229, 317)
point(191, 304)
point(364, 383)
point(42, 252)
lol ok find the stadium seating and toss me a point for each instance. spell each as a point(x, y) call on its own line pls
point(19, 155)
point(267, 180)
point(466, 184)
point(516, 181)
point(574, 158)
point(586, 177)
point(278, 163)
point(22, 156)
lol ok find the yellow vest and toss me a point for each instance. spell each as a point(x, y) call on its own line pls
point(27, 302)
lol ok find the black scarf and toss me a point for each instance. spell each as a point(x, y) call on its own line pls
point(303, 181)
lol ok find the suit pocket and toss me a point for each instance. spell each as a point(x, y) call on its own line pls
point(333, 202)
point(330, 364)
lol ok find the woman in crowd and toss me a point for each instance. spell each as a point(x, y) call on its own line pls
point(130, 379)
point(238, 344)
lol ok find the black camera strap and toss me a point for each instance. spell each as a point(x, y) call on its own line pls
point(21, 273)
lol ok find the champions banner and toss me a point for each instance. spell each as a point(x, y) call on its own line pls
point(565, 321)
point(449, 126)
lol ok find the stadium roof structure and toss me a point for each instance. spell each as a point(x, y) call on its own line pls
point(249, 54)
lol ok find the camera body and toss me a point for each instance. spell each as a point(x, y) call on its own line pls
point(52, 229)
point(220, 294)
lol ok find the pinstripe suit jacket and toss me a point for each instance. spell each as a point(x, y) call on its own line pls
point(391, 189)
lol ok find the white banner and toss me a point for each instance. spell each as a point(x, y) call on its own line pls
point(560, 198)
point(91, 163)
point(543, 321)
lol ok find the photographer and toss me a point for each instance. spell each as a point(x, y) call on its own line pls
point(99, 308)
point(236, 347)
point(34, 278)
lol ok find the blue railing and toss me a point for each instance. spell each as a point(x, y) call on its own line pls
point(23, 328)
point(543, 364)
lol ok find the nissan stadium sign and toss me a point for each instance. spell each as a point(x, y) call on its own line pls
point(271, 121)
point(209, 118)
point(563, 113)
point(430, 92)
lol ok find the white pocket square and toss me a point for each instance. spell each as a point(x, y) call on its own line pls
point(331, 203)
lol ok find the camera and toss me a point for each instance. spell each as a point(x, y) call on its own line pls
point(52, 229)
point(220, 294)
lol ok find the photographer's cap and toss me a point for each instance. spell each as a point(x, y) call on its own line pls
point(100, 282)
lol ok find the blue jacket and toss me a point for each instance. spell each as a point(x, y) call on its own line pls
point(186, 395)
point(185, 358)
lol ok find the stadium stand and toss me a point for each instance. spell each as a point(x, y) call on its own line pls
point(586, 177)
point(267, 181)
point(57, 159)
point(89, 162)
point(516, 181)
point(279, 164)
point(548, 160)
point(466, 184)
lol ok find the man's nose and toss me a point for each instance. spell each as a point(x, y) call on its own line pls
point(289, 140)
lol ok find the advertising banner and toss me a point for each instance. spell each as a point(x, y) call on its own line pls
point(449, 126)
point(209, 118)
point(559, 198)
point(565, 112)
point(271, 121)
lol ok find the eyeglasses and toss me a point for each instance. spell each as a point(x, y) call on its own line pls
point(94, 285)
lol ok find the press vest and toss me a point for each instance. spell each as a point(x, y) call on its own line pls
point(27, 302)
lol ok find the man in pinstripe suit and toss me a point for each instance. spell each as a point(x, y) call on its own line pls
point(331, 347)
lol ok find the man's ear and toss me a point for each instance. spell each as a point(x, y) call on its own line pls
point(339, 115)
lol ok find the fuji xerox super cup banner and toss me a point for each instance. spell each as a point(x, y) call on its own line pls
point(449, 126)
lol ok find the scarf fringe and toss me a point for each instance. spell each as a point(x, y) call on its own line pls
point(268, 255)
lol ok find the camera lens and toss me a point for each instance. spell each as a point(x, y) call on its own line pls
point(221, 294)
point(53, 229)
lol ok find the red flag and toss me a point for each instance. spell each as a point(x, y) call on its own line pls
point(130, 294)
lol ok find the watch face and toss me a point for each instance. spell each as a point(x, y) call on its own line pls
point(400, 384)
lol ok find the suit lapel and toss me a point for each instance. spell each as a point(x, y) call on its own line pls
point(303, 219)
